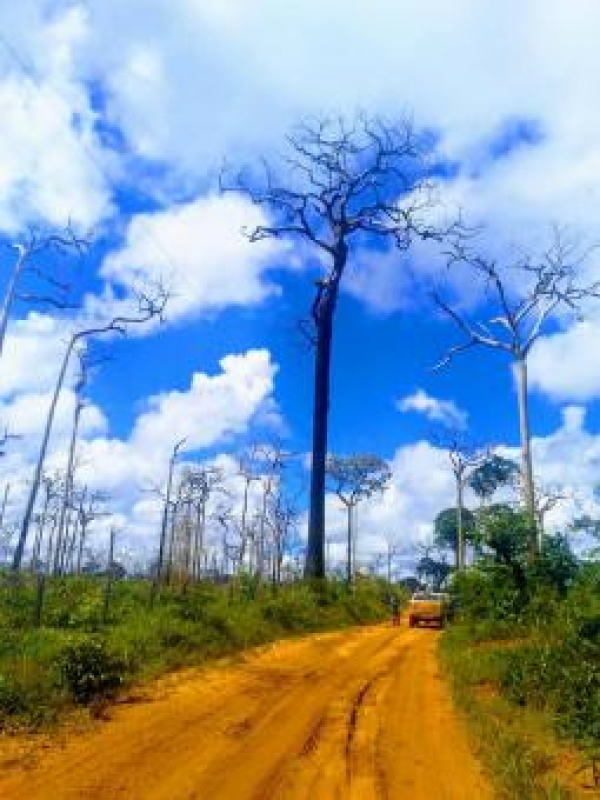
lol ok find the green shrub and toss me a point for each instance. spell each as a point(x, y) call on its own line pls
point(563, 678)
point(91, 671)
point(12, 701)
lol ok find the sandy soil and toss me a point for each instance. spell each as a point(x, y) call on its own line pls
point(359, 715)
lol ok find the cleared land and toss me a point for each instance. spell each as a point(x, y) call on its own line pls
point(358, 714)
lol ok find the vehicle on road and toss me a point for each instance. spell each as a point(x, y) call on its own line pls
point(429, 607)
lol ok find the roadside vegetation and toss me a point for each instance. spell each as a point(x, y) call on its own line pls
point(90, 647)
point(524, 657)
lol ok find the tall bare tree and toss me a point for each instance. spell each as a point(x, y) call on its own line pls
point(85, 366)
point(165, 515)
point(521, 296)
point(340, 184)
point(28, 251)
point(149, 307)
point(355, 478)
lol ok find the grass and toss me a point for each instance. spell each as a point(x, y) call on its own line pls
point(517, 744)
point(79, 652)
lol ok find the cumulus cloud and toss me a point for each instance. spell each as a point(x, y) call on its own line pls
point(213, 411)
point(52, 162)
point(199, 251)
point(566, 365)
point(566, 461)
point(445, 412)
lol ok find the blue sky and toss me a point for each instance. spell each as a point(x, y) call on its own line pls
point(134, 110)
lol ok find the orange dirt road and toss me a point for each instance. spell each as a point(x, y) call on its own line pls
point(361, 714)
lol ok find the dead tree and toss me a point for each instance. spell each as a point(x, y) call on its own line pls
point(340, 182)
point(52, 485)
point(392, 551)
point(547, 498)
point(355, 478)
point(165, 514)
point(85, 365)
point(149, 307)
point(525, 293)
point(248, 470)
point(204, 481)
point(272, 461)
point(28, 250)
point(282, 518)
point(91, 506)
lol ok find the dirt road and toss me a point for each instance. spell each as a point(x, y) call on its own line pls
point(358, 715)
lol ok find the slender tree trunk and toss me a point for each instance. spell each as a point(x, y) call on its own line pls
point(460, 533)
point(9, 295)
point(315, 551)
point(260, 554)
point(526, 457)
point(109, 576)
point(172, 543)
point(354, 537)
point(35, 557)
point(35, 485)
point(165, 520)
point(82, 538)
point(244, 535)
point(187, 541)
point(68, 492)
point(200, 540)
point(50, 545)
point(4, 504)
point(349, 543)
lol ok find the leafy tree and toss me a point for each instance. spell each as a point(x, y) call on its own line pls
point(506, 533)
point(433, 571)
point(493, 474)
point(446, 527)
point(557, 565)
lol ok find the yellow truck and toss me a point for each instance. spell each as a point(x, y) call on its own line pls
point(428, 607)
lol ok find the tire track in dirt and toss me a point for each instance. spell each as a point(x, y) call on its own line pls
point(360, 715)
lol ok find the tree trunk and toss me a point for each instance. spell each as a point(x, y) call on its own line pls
point(460, 533)
point(9, 295)
point(109, 576)
point(526, 457)
point(35, 485)
point(35, 557)
point(315, 551)
point(4, 504)
point(165, 520)
point(244, 537)
point(82, 538)
point(68, 493)
point(349, 545)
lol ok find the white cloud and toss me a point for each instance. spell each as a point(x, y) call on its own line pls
point(214, 407)
point(199, 250)
point(566, 365)
point(52, 164)
point(33, 350)
point(213, 411)
point(445, 412)
point(566, 461)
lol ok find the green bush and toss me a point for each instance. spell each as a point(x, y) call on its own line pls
point(91, 671)
point(77, 655)
point(564, 679)
point(12, 701)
